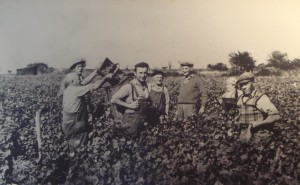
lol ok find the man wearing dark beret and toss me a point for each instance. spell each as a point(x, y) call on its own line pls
point(191, 91)
point(159, 95)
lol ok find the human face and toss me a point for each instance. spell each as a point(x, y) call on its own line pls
point(246, 87)
point(79, 68)
point(158, 79)
point(141, 74)
point(186, 71)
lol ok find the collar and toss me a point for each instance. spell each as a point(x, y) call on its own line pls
point(189, 77)
point(138, 83)
point(252, 94)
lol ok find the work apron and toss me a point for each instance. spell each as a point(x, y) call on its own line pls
point(133, 121)
point(75, 127)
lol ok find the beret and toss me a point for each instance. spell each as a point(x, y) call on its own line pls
point(187, 64)
point(76, 63)
point(245, 77)
point(157, 72)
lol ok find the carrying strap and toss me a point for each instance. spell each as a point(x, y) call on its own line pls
point(236, 93)
point(133, 90)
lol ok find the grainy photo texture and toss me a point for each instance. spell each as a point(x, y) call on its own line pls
point(150, 92)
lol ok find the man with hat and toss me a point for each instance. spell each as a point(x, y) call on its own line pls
point(256, 112)
point(134, 97)
point(76, 69)
point(159, 96)
point(191, 91)
point(75, 104)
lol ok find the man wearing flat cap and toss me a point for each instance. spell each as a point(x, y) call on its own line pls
point(191, 91)
point(256, 112)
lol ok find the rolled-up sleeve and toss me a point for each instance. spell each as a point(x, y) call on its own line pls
point(123, 92)
point(265, 105)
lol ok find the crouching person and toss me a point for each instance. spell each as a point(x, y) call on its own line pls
point(257, 113)
point(230, 97)
point(75, 114)
point(134, 96)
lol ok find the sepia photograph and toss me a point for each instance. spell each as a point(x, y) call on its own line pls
point(150, 92)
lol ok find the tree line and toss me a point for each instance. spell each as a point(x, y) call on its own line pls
point(243, 61)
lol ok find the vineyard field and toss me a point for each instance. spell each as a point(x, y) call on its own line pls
point(204, 149)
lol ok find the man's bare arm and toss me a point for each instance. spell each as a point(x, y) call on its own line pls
point(89, 78)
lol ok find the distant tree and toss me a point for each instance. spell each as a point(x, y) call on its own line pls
point(164, 68)
point(296, 63)
point(279, 60)
point(241, 61)
point(262, 65)
point(209, 66)
point(9, 71)
point(217, 67)
point(50, 70)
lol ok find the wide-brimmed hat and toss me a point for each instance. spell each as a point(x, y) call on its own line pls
point(189, 64)
point(83, 62)
point(245, 77)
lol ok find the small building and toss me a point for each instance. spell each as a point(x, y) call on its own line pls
point(33, 70)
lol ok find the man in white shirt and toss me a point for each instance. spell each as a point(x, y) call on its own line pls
point(75, 114)
point(134, 97)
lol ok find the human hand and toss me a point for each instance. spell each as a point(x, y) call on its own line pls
point(254, 124)
point(134, 105)
point(108, 76)
point(201, 110)
point(246, 136)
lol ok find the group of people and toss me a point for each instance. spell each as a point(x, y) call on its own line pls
point(145, 101)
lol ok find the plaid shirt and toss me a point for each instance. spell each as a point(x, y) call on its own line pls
point(248, 109)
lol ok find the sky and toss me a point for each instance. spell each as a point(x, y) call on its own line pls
point(61, 32)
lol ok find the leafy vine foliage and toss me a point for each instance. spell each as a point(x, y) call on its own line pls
point(202, 150)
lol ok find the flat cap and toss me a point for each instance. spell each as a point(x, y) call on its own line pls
point(189, 64)
point(245, 77)
point(76, 63)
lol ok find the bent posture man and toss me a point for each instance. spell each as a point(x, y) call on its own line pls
point(75, 114)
